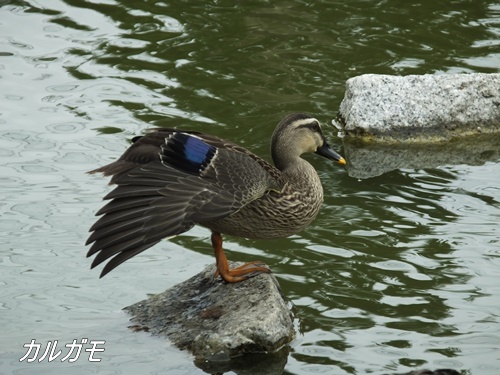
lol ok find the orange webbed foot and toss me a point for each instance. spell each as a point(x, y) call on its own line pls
point(242, 272)
point(239, 273)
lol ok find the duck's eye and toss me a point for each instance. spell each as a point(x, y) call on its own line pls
point(313, 126)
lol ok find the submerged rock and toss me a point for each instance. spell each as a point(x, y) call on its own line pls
point(217, 321)
point(421, 106)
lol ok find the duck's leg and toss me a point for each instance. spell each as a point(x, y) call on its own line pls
point(237, 274)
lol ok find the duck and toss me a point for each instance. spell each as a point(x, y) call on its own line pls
point(170, 180)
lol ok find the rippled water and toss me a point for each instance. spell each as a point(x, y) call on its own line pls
point(398, 271)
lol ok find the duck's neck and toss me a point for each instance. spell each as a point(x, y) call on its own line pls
point(300, 171)
point(293, 166)
point(283, 160)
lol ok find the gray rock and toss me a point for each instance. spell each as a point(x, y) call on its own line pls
point(428, 106)
point(217, 321)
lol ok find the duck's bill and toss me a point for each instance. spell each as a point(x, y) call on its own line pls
point(328, 153)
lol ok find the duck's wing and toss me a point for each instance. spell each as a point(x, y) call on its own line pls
point(168, 181)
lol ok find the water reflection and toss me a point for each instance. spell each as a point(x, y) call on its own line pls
point(252, 364)
point(374, 159)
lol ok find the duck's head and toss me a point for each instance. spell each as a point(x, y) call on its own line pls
point(297, 134)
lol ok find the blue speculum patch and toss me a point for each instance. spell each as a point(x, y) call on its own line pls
point(187, 153)
point(197, 151)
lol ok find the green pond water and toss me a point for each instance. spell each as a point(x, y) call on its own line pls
point(398, 272)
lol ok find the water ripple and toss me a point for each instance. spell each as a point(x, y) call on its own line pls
point(397, 272)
